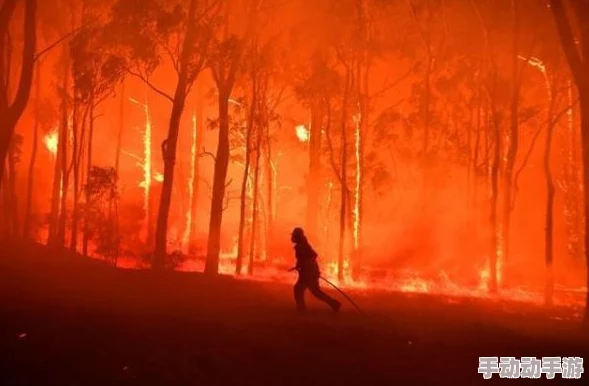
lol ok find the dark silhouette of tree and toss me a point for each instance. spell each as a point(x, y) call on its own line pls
point(12, 106)
point(577, 53)
point(146, 32)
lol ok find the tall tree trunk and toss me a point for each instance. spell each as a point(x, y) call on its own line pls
point(169, 154)
point(344, 188)
point(477, 143)
point(579, 65)
point(196, 181)
point(494, 195)
point(86, 236)
point(31, 172)
point(513, 138)
point(64, 132)
point(56, 192)
point(360, 179)
point(572, 194)
point(121, 128)
point(270, 188)
point(549, 215)
point(169, 145)
point(254, 245)
point(314, 175)
point(14, 214)
point(585, 155)
point(76, 169)
point(220, 175)
point(5, 226)
point(10, 113)
point(246, 169)
point(426, 127)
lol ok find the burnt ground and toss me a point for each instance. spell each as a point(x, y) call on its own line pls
point(67, 320)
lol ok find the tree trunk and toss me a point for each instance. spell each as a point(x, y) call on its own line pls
point(426, 128)
point(313, 179)
point(5, 228)
point(31, 176)
point(121, 128)
point(14, 217)
point(169, 154)
point(572, 193)
point(169, 145)
point(513, 139)
point(494, 199)
point(11, 112)
point(585, 155)
point(344, 178)
point(270, 186)
point(246, 168)
point(76, 165)
point(579, 65)
point(86, 236)
point(63, 147)
point(56, 192)
point(550, 192)
point(196, 181)
point(220, 175)
point(253, 242)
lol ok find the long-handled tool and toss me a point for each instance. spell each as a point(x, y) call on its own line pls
point(338, 290)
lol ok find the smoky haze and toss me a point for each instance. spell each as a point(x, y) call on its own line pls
point(410, 139)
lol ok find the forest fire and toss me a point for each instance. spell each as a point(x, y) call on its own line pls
point(431, 164)
point(178, 178)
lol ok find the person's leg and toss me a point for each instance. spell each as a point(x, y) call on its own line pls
point(299, 294)
point(316, 291)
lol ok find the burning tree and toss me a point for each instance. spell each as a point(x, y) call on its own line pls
point(577, 54)
point(95, 77)
point(260, 69)
point(13, 103)
point(146, 32)
point(224, 63)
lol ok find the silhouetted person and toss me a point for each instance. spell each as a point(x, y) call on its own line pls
point(308, 273)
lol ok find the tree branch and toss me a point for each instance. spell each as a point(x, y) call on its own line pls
point(208, 153)
point(45, 50)
point(567, 40)
point(549, 123)
point(150, 85)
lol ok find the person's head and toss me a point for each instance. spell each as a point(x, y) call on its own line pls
point(298, 236)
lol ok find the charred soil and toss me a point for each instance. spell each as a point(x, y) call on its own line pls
point(68, 320)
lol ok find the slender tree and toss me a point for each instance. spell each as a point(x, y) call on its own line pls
point(578, 59)
point(12, 107)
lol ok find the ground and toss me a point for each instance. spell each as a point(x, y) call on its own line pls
point(66, 320)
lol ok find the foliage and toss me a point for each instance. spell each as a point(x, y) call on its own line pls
point(95, 74)
point(142, 34)
point(101, 211)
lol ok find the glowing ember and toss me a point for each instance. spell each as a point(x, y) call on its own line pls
point(302, 133)
point(51, 141)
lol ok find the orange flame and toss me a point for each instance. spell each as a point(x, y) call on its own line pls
point(146, 164)
point(193, 155)
point(302, 133)
point(51, 140)
point(356, 209)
